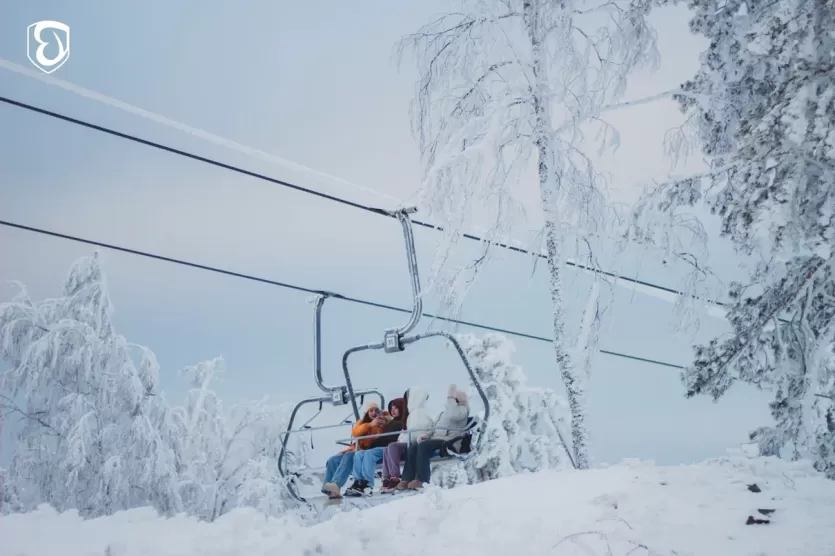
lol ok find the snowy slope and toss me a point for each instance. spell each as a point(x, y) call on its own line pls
point(688, 510)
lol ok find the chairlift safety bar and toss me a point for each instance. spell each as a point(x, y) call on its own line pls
point(353, 439)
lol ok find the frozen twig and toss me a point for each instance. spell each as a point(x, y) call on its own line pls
point(574, 538)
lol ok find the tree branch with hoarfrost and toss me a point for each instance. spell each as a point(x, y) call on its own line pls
point(763, 103)
point(681, 237)
point(227, 457)
point(507, 84)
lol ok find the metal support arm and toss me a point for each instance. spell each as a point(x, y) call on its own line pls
point(393, 337)
point(338, 395)
point(349, 384)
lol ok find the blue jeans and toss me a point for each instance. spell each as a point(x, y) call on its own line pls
point(338, 468)
point(417, 459)
point(366, 462)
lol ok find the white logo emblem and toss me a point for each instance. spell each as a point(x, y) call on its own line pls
point(36, 45)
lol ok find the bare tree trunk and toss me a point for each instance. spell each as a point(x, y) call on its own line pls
point(549, 183)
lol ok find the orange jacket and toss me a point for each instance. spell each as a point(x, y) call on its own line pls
point(363, 429)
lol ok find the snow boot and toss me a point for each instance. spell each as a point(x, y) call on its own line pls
point(389, 485)
point(332, 490)
point(358, 489)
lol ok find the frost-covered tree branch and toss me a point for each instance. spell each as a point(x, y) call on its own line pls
point(681, 237)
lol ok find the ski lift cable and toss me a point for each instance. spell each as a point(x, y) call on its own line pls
point(334, 198)
point(304, 289)
point(183, 127)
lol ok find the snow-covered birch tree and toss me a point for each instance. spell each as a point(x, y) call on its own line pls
point(585, 349)
point(506, 86)
point(763, 106)
point(86, 403)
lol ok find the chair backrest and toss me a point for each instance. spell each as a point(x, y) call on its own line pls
point(464, 440)
point(467, 441)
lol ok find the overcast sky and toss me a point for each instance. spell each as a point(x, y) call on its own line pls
point(313, 83)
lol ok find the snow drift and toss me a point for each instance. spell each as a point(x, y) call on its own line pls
point(631, 508)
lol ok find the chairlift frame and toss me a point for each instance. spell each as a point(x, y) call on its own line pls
point(335, 395)
point(395, 340)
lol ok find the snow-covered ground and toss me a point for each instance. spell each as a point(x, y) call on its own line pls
point(631, 508)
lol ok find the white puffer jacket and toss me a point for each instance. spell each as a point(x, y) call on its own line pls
point(419, 419)
point(454, 416)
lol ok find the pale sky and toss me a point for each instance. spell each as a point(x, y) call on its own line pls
point(314, 83)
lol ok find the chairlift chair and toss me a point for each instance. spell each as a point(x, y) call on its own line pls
point(395, 340)
point(334, 395)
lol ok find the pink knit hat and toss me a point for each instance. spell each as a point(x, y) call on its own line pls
point(459, 395)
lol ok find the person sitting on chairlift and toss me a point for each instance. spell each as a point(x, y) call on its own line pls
point(417, 419)
point(365, 462)
point(449, 426)
point(339, 466)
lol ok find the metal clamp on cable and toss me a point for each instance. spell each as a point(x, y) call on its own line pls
point(339, 395)
point(393, 341)
point(404, 210)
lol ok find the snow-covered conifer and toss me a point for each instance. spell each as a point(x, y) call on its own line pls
point(763, 104)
